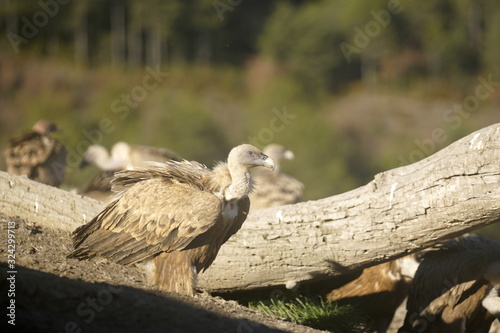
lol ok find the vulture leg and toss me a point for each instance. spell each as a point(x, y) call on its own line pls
point(173, 272)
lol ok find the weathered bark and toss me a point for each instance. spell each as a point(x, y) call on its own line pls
point(401, 211)
point(45, 205)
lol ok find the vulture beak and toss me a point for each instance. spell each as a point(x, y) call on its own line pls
point(267, 162)
point(54, 128)
point(83, 164)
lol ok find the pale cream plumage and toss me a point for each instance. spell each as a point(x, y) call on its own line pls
point(126, 156)
point(123, 156)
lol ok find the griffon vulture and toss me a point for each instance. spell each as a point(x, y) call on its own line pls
point(455, 287)
point(126, 156)
point(100, 157)
point(379, 290)
point(38, 155)
point(99, 187)
point(138, 154)
point(123, 156)
point(172, 217)
point(275, 188)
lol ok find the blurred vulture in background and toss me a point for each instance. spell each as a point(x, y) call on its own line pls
point(123, 156)
point(379, 290)
point(172, 217)
point(126, 156)
point(99, 187)
point(38, 155)
point(275, 188)
point(455, 288)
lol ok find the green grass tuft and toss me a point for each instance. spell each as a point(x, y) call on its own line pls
point(316, 313)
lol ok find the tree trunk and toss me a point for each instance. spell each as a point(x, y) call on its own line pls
point(134, 35)
point(401, 211)
point(117, 32)
point(154, 40)
point(45, 205)
point(81, 38)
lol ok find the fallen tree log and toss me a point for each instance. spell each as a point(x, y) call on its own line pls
point(45, 205)
point(401, 211)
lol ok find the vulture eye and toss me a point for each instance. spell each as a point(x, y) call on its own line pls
point(251, 154)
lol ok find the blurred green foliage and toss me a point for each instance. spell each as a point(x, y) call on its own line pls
point(364, 82)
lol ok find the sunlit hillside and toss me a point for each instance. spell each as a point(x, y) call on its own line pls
point(201, 112)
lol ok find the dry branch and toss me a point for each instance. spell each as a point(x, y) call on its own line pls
point(402, 210)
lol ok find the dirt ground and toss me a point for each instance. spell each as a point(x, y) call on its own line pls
point(54, 294)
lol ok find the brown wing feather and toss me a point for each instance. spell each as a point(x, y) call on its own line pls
point(27, 152)
point(140, 154)
point(440, 274)
point(100, 182)
point(205, 247)
point(38, 156)
point(99, 187)
point(446, 277)
point(52, 171)
point(153, 215)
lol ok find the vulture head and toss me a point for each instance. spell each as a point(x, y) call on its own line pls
point(98, 155)
point(247, 156)
point(45, 127)
point(404, 269)
point(240, 160)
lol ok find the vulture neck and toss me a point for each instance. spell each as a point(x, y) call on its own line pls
point(241, 182)
point(108, 163)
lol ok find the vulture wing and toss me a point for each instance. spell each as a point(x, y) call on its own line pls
point(99, 187)
point(443, 280)
point(157, 212)
point(100, 182)
point(140, 154)
point(27, 152)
